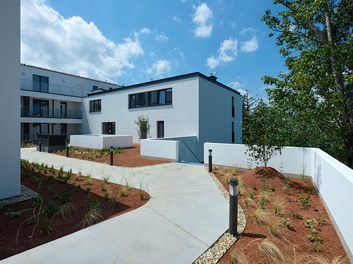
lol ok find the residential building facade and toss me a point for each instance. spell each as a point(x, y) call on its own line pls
point(51, 101)
point(191, 106)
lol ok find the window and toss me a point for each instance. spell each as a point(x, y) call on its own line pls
point(94, 87)
point(233, 133)
point(232, 106)
point(95, 106)
point(40, 83)
point(160, 129)
point(152, 98)
point(40, 108)
point(63, 129)
point(108, 128)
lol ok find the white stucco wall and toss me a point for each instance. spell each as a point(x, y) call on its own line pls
point(216, 115)
point(180, 118)
point(160, 149)
point(333, 179)
point(10, 98)
point(101, 141)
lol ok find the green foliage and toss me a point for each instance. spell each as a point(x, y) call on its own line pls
point(304, 199)
point(92, 215)
point(315, 96)
point(263, 140)
point(143, 126)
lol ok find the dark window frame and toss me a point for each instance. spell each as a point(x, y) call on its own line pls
point(95, 106)
point(151, 98)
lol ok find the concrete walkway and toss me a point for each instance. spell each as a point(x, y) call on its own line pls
point(185, 215)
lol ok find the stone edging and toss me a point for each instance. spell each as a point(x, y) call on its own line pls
point(214, 253)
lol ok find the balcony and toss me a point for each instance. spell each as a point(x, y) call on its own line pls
point(51, 88)
point(50, 113)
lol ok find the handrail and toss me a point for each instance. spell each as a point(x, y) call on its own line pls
point(190, 150)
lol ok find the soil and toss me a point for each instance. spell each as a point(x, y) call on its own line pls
point(129, 157)
point(64, 209)
point(301, 227)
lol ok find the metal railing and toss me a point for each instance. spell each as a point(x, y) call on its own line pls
point(50, 113)
point(52, 88)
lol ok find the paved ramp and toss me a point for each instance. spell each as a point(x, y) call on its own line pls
point(185, 215)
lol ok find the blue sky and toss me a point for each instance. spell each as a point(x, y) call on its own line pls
point(128, 42)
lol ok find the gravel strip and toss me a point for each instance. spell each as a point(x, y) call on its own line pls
point(26, 194)
point(214, 253)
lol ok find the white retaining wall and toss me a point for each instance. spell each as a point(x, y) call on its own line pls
point(333, 179)
point(101, 141)
point(160, 149)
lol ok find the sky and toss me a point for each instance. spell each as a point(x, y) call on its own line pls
point(134, 41)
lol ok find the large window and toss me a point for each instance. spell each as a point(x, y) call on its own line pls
point(40, 108)
point(233, 106)
point(40, 83)
point(95, 106)
point(152, 98)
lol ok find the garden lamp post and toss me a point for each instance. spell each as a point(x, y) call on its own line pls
point(233, 207)
point(111, 151)
point(210, 160)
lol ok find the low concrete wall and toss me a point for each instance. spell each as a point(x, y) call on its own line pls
point(333, 179)
point(160, 149)
point(101, 141)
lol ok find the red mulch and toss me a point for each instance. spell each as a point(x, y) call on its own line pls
point(78, 191)
point(301, 204)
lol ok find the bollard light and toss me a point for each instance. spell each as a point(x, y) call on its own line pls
point(233, 207)
point(67, 149)
point(111, 155)
point(210, 160)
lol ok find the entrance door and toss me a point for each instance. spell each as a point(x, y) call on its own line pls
point(63, 109)
point(160, 129)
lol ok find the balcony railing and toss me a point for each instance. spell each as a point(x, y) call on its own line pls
point(50, 113)
point(29, 85)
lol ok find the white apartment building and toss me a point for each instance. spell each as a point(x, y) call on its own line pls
point(10, 98)
point(51, 101)
point(191, 108)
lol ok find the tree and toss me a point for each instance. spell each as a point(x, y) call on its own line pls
point(263, 139)
point(316, 95)
point(248, 103)
point(143, 126)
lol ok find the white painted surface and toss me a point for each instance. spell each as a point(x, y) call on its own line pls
point(333, 179)
point(101, 141)
point(10, 98)
point(160, 149)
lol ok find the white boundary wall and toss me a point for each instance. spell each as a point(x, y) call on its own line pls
point(101, 141)
point(333, 179)
point(160, 149)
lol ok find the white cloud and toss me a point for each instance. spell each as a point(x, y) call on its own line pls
point(176, 19)
point(201, 18)
point(250, 45)
point(72, 45)
point(247, 30)
point(242, 91)
point(226, 53)
point(159, 68)
point(161, 36)
point(238, 86)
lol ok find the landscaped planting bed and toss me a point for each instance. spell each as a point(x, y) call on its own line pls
point(286, 220)
point(67, 203)
point(128, 157)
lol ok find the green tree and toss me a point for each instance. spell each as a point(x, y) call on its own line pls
point(264, 138)
point(316, 95)
point(143, 126)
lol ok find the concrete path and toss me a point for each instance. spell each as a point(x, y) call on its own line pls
point(185, 215)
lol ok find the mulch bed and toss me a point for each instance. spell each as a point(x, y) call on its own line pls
point(292, 216)
point(31, 223)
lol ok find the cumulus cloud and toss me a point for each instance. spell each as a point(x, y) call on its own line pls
point(72, 45)
point(226, 53)
point(250, 45)
point(159, 68)
point(201, 18)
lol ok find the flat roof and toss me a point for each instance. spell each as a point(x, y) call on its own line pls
point(211, 78)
